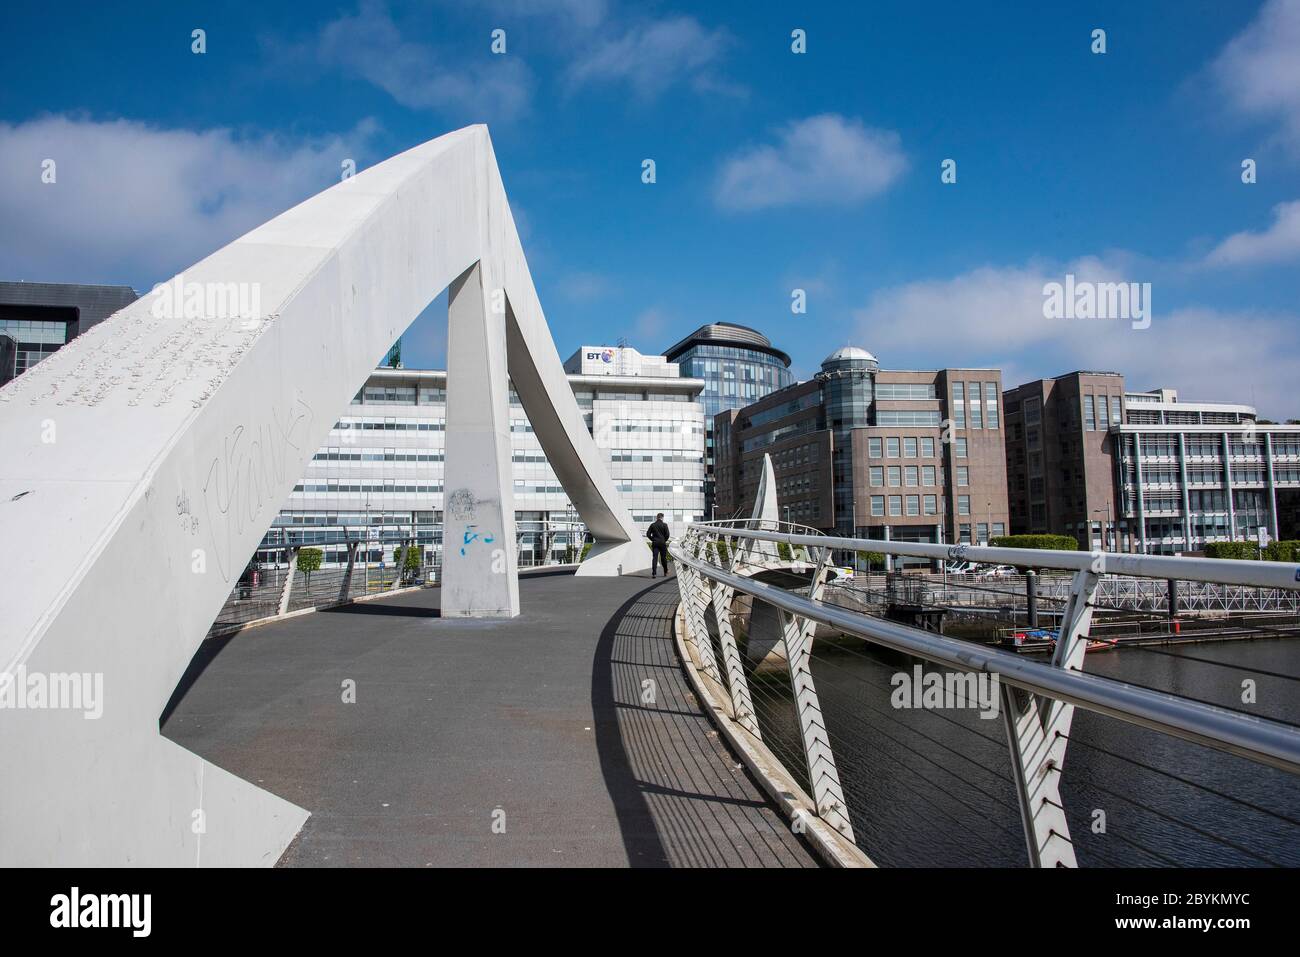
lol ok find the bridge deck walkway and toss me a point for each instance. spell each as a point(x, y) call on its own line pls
point(542, 723)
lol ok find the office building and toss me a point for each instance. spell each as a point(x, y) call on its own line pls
point(1144, 471)
point(1060, 471)
point(738, 365)
point(859, 450)
point(380, 476)
point(39, 318)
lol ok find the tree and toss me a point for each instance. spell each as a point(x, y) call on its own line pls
point(872, 558)
point(411, 563)
point(309, 560)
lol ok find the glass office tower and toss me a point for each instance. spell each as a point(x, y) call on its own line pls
point(739, 366)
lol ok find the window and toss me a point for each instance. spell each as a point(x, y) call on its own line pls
point(905, 390)
point(961, 447)
point(1033, 411)
point(999, 529)
point(912, 476)
point(877, 475)
point(895, 418)
point(927, 476)
point(1089, 415)
point(895, 476)
point(909, 448)
point(982, 531)
point(963, 475)
point(959, 405)
point(976, 414)
point(1103, 411)
point(913, 505)
point(991, 404)
point(895, 505)
point(963, 504)
point(877, 505)
point(873, 448)
point(927, 448)
point(931, 505)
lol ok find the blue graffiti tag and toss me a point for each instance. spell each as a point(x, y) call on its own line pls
point(470, 538)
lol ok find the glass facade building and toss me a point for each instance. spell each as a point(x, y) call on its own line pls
point(379, 478)
point(39, 318)
point(738, 366)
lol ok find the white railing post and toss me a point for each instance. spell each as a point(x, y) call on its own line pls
point(823, 777)
point(742, 706)
point(346, 585)
point(694, 597)
point(287, 588)
point(1038, 730)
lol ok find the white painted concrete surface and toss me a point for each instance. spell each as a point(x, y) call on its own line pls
point(144, 461)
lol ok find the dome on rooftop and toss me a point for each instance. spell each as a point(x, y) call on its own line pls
point(849, 354)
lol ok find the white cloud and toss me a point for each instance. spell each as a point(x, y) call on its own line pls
point(994, 316)
point(655, 55)
point(581, 13)
point(821, 160)
point(416, 75)
point(136, 203)
point(585, 287)
point(649, 326)
point(1278, 243)
point(1259, 69)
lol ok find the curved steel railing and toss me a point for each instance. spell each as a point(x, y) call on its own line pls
point(1037, 730)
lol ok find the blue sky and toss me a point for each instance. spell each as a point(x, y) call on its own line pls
point(775, 170)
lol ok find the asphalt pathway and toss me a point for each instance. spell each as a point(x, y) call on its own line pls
point(566, 737)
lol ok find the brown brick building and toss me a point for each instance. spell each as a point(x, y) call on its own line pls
point(915, 456)
point(1060, 461)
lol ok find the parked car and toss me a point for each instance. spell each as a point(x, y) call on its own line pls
point(960, 568)
point(996, 571)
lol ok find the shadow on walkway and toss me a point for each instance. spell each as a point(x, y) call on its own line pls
point(682, 799)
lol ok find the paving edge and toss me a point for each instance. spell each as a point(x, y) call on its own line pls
point(791, 800)
point(272, 619)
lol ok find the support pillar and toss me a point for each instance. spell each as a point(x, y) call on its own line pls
point(1038, 730)
point(287, 589)
point(479, 566)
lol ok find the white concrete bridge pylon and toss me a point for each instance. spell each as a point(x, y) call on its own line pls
point(144, 461)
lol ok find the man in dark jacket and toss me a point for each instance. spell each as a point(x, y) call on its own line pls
point(658, 535)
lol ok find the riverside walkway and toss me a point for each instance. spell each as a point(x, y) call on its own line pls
point(568, 736)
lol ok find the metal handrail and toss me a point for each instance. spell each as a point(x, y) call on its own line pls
point(1223, 571)
point(1259, 739)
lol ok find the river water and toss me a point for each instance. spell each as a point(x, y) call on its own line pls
point(933, 787)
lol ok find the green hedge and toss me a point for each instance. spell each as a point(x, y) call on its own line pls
point(1065, 543)
point(309, 559)
point(1285, 551)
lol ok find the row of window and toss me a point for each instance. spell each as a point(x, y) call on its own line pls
point(905, 390)
point(910, 447)
point(905, 504)
point(333, 487)
point(983, 415)
point(912, 475)
point(1100, 410)
point(914, 504)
